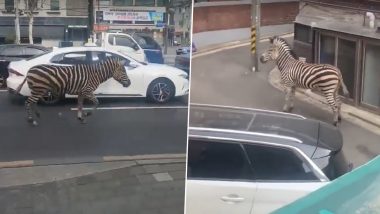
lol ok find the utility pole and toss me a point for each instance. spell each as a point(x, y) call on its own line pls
point(17, 22)
point(255, 30)
point(90, 25)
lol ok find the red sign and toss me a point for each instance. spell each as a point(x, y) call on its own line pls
point(101, 28)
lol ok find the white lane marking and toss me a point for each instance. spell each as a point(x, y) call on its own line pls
point(234, 46)
point(134, 108)
point(3, 90)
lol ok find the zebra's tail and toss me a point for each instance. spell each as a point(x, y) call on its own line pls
point(344, 87)
point(20, 86)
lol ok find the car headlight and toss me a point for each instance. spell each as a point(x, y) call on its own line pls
point(185, 76)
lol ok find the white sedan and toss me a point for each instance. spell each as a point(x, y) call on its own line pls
point(156, 82)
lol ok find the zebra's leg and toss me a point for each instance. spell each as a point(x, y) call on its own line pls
point(291, 98)
point(339, 105)
point(95, 102)
point(80, 109)
point(30, 108)
point(330, 97)
point(289, 93)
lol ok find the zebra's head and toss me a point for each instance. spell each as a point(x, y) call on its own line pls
point(273, 52)
point(278, 46)
point(120, 73)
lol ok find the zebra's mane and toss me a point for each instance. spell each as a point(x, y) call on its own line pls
point(288, 47)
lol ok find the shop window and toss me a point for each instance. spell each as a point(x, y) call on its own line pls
point(371, 76)
point(346, 62)
point(9, 5)
point(77, 34)
point(302, 33)
point(161, 3)
point(122, 2)
point(144, 3)
point(327, 50)
point(54, 5)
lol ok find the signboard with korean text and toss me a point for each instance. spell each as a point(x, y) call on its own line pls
point(132, 16)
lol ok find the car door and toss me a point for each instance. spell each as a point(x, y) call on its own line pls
point(282, 174)
point(218, 179)
point(127, 45)
point(113, 88)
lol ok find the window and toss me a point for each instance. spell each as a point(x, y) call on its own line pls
point(33, 51)
point(144, 3)
point(327, 50)
point(12, 51)
point(217, 160)
point(77, 34)
point(278, 164)
point(146, 42)
point(122, 2)
point(98, 56)
point(73, 58)
point(161, 3)
point(54, 5)
point(125, 41)
point(9, 5)
point(302, 33)
point(371, 86)
point(346, 62)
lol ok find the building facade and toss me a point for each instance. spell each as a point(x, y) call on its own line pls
point(345, 34)
point(54, 21)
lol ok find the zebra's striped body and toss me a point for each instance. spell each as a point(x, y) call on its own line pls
point(81, 80)
point(297, 74)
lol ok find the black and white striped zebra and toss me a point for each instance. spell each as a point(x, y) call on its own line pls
point(81, 80)
point(297, 74)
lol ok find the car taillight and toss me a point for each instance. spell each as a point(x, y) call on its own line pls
point(12, 71)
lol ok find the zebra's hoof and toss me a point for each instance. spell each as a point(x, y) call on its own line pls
point(38, 114)
point(339, 119)
point(82, 120)
point(35, 123)
point(335, 123)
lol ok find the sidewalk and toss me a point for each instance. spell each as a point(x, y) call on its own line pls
point(208, 40)
point(170, 56)
point(154, 186)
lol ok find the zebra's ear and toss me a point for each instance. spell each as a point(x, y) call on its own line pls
point(271, 39)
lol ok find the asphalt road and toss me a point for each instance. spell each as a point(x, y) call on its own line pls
point(225, 78)
point(120, 127)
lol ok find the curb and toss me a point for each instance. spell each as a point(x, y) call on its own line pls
point(234, 44)
point(138, 159)
point(364, 119)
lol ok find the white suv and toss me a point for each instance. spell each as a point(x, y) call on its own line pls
point(247, 161)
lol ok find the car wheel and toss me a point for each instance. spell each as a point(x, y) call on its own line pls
point(161, 90)
point(50, 98)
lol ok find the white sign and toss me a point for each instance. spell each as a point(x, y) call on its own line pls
point(132, 16)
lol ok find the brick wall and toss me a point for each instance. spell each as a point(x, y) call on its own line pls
point(209, 18)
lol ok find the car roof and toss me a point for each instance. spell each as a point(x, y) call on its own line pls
point(277, 127)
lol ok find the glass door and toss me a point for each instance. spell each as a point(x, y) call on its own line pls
point(371, 76)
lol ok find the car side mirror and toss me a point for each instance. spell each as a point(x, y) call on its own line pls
point(132, 66)
point(135, 47)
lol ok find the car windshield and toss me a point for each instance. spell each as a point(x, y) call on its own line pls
point(146, 42)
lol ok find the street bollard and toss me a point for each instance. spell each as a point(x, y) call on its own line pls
point(253, 48)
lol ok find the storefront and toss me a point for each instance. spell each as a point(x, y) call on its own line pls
point(344, 39)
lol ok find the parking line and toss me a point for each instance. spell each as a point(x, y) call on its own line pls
point(3, 90)
point(134, 108)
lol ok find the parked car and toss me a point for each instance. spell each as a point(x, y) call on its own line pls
point(121, 42)
point(152, 49)
point(14, 52)
point(156, 82)
point(183, 62)
point(250, 161)
point(185, 50)
point(357, 191)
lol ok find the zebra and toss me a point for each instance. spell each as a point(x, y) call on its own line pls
point(297, 74)
point(81, 80)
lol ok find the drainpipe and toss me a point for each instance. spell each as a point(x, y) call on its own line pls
point(371, 17)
